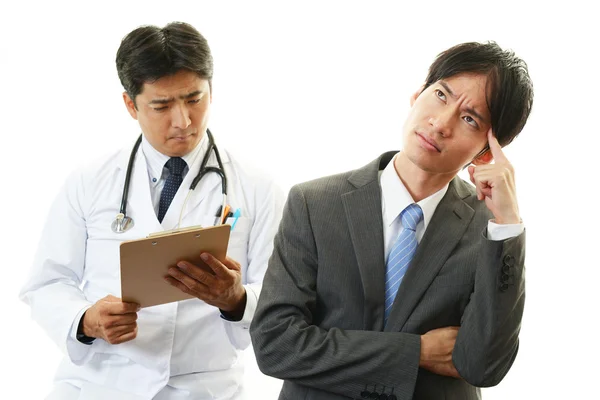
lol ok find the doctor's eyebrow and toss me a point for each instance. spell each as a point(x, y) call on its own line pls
point(170, 99)
point(468, 109)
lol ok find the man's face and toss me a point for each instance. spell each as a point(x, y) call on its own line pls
point(173, 112)
point(448, 123)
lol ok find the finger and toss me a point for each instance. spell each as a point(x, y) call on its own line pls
point(471, 169)
point(232, 264)
point(124, 337)
point(217, 266)
point(120, 320)
point(495, 147)
point(120, 308)
point(184, 282)
point(196, 272)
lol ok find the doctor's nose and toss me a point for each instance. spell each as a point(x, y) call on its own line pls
point(180, 117)
point(442, 123)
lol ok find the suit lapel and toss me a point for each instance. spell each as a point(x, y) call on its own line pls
point(445, 230)
point(365, 223)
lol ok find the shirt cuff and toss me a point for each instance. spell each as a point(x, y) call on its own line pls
point(500, 232)
point(76, 349)
point(251, 302)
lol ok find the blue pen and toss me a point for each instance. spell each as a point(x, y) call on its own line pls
point(236, 215)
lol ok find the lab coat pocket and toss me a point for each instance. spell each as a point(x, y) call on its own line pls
point(239, 238)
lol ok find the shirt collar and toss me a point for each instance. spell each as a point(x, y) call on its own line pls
point(156, 160)
point(396, 197)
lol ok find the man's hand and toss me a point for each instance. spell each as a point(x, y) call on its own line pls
point(495, 183)
point(223, 289)
point(436, 351)
point(112, 320)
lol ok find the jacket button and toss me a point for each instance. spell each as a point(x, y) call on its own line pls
point(365, 394)
point(374, 396)
point(509, 260)
point(504, 287)
point(392, 397)
point(505, 278)
point(383, 396)
point(505, 269)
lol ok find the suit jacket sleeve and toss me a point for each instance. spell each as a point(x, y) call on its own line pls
point(488, 339)
point(290, 346)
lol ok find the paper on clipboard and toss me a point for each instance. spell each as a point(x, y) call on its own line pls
point(145, 262)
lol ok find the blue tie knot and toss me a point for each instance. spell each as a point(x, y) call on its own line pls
point(411, 216)
point(176, 165)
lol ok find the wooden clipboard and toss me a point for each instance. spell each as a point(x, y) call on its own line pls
point(145, 262)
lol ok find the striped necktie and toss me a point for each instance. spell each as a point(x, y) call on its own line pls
point(402, 253)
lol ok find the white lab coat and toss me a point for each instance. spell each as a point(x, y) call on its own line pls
point(186, 344)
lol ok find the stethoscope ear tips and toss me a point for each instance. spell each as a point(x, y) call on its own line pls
point(121, 223)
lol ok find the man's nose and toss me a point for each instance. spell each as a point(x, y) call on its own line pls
point(180, 117)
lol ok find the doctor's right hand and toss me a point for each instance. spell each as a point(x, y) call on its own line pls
point(112, 320)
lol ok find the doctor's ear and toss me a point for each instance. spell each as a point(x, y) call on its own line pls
point(130, 105)
point(416, 94)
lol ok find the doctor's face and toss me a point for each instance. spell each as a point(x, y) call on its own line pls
point(447, 125)
point(173, 112)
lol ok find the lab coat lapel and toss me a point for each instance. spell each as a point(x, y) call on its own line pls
point(139, 204)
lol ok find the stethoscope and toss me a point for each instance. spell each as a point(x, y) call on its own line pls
point(123, 223)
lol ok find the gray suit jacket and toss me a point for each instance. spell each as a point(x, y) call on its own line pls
point(319, 321)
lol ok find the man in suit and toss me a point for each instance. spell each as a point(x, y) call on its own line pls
point(399, 280)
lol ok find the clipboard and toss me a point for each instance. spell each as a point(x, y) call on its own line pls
point(145, 262)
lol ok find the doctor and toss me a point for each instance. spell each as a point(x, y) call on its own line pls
point(184, 350)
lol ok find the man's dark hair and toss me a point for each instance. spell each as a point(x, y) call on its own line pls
point(149, 53)
point(510, 90)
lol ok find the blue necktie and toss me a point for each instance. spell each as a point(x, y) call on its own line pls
point(402, 253)
point(175, 165)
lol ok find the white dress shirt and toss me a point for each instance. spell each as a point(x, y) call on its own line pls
point(157, 170)
point(395, 198)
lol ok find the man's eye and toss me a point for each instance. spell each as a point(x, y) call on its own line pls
point(440, 94)
point(470, 121)
point(195, 101)
point(160, 108)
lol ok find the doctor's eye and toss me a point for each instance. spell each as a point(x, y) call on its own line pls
point(439, 94)
point(159, 108)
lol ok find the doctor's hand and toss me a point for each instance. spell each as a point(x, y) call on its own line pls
point(112, 320)
point(437, 346)
point(495, 183)
point(223, 288)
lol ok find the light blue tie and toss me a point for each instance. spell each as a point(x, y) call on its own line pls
point(402, 253)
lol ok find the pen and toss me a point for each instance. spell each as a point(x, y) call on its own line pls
point(218, 214)
point(236, 215)
point(225, 214)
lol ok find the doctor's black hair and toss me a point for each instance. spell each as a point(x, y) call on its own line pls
point(510, 90)
point(149, 53)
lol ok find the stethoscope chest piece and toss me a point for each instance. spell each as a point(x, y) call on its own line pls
point(121, 224)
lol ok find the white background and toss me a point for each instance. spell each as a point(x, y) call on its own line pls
point(306, 89)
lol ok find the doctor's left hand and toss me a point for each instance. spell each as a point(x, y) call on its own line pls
point(223, 289)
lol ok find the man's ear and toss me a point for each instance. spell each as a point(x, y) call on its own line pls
point(483, 159)
point(130, 105)
point(416, 94)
